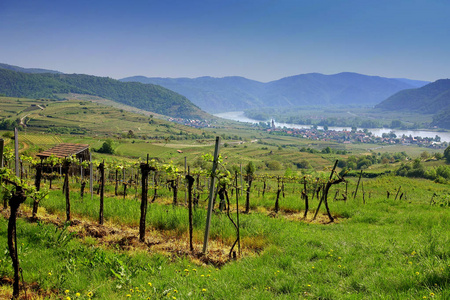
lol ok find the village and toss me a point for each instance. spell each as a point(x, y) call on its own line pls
point(359, 136)
point(339, 136)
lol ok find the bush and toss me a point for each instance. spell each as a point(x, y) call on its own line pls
point(106, 147)
point(274, 165)
point(447, 154)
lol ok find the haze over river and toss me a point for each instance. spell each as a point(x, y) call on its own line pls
point(239, 116)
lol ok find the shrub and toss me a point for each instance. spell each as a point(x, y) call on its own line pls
point(106, 147)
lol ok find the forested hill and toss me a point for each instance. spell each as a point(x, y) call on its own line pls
point(314, 89)
point(433, 98)
point(144, 96)
point(27, 70)
point(429, 99)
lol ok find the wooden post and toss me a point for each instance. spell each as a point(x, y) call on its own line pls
point(237, 219)
point(102, 191)
point(145, 169)
point(398, 191)
point(2, 142)
point(16, 151)
point(14, 203)
point(356, 191)
point(185, 186)
point(37, 184)
point(81, 169)
point(242, 184)
point(277, 205)
point(190, 180)
point(67, 189)
point(91, 177)
point(211, 196)
point(364, 193)
point(305, 196)
point(116, 187)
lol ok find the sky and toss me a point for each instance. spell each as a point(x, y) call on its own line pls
point(262, 40)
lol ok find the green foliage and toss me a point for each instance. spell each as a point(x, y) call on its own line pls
point(249, 168)
point(9, 124)
point(273, 165)
point(447, 154)
point(144, 96)
point(107, 147)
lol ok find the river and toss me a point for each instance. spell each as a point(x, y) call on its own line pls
point(239, 116)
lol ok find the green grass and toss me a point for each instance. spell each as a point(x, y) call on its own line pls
point(384, 249)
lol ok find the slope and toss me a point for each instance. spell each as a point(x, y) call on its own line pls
point(53, 86)
point(429, 99)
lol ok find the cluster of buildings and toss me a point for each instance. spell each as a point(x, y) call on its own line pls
point(344, 136)
point(191, 122)
point(349, 137)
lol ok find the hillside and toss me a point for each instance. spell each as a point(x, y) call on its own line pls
point(431, 98)
point(442, 119)
point(54, 86)
point(238, 93)
point(27, 70)
point(86, 118)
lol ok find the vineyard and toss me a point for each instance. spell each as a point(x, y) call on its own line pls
point(146, 229)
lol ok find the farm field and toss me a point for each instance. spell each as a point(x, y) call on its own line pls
point(388, 239)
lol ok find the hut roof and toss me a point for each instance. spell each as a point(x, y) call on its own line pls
point(64, 150)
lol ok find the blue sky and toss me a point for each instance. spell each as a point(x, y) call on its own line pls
point(262, 40)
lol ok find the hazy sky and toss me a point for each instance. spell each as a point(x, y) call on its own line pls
point(262, 40)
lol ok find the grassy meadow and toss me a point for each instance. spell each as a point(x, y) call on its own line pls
point(389, 241)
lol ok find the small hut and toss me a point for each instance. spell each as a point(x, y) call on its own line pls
point(81, 151)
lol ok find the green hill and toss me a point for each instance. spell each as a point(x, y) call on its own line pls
point(53, 86)
point(442, 119)
point(429, 99)
point(27, 70)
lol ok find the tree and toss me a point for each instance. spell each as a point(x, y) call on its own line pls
point(447, 154)
point(425, 155)
point(106, 147)
point(396, 124)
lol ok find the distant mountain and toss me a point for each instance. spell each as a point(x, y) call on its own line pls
point(430, 99)
point(237, 93)
point(414, 83)
point(53, 86)
point(25, 70)
point(212, 94)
